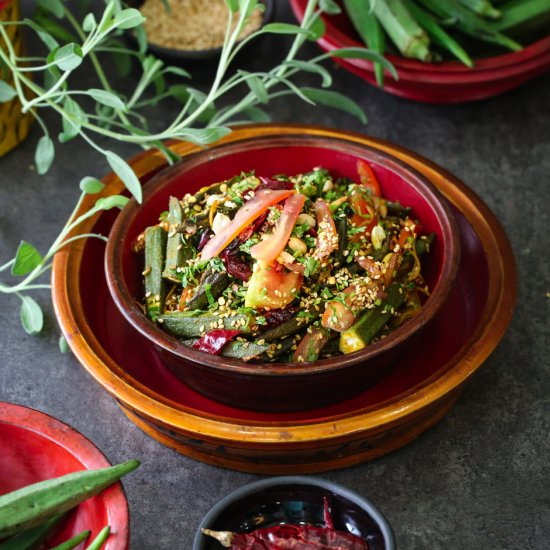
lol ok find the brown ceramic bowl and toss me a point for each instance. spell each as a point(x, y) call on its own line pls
point(281, 386)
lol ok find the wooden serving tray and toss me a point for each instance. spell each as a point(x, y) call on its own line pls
point(412, 397)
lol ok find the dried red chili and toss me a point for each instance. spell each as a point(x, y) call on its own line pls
point(291, 537)
point(235, 264)
point(275, 317)
point(213, 341)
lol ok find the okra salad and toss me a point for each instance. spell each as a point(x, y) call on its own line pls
point(290, 268)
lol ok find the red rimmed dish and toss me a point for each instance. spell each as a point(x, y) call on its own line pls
point(445, 82)
point(36, 447)
point(280, 386)
point(391, 413)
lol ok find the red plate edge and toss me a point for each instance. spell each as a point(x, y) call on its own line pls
point(86, 454)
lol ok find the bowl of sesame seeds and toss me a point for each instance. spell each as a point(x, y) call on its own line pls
point(193, 29)
point(280, 378)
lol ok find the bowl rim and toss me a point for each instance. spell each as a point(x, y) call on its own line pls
point(503, 65)
point(87, 454)
point(312, 481)
point(127, 305)
point(148, 408)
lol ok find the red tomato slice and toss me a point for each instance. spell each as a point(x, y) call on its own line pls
point(368, 179)
point(254, 208)
point(327, 236)
point(272, 245)
point(364, 213)
point(271, 288)
point(337, 316)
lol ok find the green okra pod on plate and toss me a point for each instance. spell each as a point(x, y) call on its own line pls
point(32, 538)
point(368, 27)
point(469, 23)
point(73, 542)
point(525, 15)
point(482, 7)
point(32, 505)
point(407, 35)
point(438, 34)
point(102, 536)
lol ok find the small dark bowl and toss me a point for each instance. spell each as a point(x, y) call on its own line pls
point(281, 386)
point(295, 500)
point(175, 55)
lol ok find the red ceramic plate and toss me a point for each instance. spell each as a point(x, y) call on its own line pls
point(411, 397)
point(447, 82)
point(35, 447)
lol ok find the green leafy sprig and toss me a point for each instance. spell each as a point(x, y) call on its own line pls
point(118, 116)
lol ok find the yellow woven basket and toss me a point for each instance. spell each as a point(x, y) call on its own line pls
point(14, 126)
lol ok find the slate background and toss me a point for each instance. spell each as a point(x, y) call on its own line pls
point(479, 479)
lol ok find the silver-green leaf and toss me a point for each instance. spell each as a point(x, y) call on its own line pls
point(71, 123)
point(7, 92)
point(32, 317)
point(311, 68)
point(362, 53)
point(107, 98)
point(336, 100)
point(232, 5)
point(284, 28)
point(114, 201)
point(317, 28)
point(125, 173)
point(91, 186)
point(44, 154)
point(63, 344)
point(204, 136)
point(329, 6)
point(258, 88)
point(27, 258)
point(68, 57)
point(128, 18)
point(52, 6)
point(256, 115)
point(89, 23)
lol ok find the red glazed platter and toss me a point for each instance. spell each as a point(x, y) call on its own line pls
point(35, 447)
point(413, 395)
point(446, 82)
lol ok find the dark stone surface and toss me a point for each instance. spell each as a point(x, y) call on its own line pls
point(479, 479)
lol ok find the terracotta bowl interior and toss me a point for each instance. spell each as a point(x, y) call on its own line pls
point(268, 157)
point(296, 500)
point(36, 447)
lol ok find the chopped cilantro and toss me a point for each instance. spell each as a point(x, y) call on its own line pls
point(311, 267)
point(208, 292)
